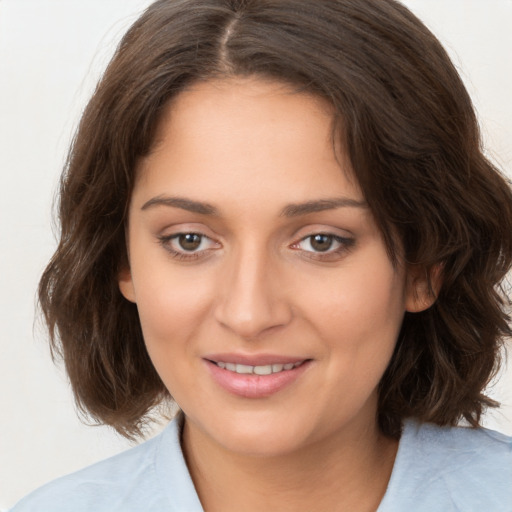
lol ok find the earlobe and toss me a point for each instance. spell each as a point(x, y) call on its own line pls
point(126, 284)
point(423, 287)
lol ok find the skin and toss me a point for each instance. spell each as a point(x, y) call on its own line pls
point(257, 284)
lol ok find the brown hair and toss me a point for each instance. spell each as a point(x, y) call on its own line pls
point(412, 136)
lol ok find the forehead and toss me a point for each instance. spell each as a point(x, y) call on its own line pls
point(246, 107)
point(242, 128)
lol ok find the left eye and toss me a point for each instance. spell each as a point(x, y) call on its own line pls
point(323, 243)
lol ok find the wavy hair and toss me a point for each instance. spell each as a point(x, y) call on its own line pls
point(400, 109)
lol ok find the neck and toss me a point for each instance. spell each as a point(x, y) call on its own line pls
point(349, 470)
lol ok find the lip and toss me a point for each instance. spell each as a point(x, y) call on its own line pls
point(254, 359)
point(251, 385)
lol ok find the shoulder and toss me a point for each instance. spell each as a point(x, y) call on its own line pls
point(129, 481)
point(481, 440)
point(453, 468)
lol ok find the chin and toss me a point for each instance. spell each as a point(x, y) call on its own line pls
point(263, 435)
point(263, 444)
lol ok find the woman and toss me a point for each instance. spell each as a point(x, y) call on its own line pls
point(278, 213)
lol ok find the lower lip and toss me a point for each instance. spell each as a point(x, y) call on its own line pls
point(255, 386)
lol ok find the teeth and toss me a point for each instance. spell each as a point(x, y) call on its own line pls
point(262, 370)
point(257, 370)
point(243, 368)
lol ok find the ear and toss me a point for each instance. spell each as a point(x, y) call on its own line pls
point(423, 286)
point(126, 287)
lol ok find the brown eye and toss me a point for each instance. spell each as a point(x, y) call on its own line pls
point(321, 243)
point(324, 246)
point(189, 241)
point(188, 246)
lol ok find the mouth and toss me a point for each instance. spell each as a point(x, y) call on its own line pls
point(255, 376)
point(267, 369)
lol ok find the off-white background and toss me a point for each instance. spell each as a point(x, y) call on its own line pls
point(51, 53)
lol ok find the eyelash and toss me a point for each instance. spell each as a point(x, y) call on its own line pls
point(345, 244)
point(166, 242)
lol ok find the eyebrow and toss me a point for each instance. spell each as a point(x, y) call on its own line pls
point(320, 205)
point(291, 210)
point(183, 203)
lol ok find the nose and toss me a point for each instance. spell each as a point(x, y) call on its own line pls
point(252, 297)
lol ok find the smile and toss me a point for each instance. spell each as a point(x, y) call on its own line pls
point(266, 376)
point(257, 370)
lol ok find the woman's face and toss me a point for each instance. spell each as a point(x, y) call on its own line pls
point(251, 252)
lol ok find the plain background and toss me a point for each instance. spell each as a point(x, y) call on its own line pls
point(51, 54)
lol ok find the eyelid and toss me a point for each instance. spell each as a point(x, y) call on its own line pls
point(322, 229)
point(342, 243)
point(345, 244)
point(338, 238)
point(177, 228)
point(166, 241)
point(202, 236)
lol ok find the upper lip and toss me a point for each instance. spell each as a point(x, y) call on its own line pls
point(254, 359)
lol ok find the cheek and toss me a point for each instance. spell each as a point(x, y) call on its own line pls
point(358, 315)
point(171, 314)
point(172, 305)
point(360, 300)
point(377, 303)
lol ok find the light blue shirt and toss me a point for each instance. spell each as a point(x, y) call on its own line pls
point(436, 469)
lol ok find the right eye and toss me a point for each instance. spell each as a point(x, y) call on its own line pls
point(185, 246)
